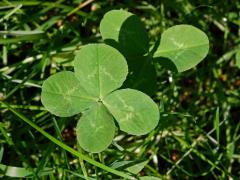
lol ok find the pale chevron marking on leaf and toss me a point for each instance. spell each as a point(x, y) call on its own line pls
point(104, 71)
point(93, 74)
point(129, 110)
point(178, 44)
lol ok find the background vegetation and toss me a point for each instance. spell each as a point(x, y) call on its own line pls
point(198, 134)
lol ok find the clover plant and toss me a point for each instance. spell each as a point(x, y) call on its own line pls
point(181, 47)
point(92, 89)
point(105, 84)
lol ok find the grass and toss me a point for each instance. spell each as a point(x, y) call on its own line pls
point(198, 135)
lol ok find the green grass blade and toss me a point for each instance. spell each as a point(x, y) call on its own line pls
point(216, 125)
point(58, 132)
point(20, 172)
point(67, 148)
point(20, 33)
point(22, 38)
point(1, 153)
point(11, 12)
point(5, 135)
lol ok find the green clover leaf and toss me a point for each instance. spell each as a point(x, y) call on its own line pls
point(92, 90)
point(184, 46)
point(96, 129)
point(125, 32)
point(134, 111)
point(180, 48)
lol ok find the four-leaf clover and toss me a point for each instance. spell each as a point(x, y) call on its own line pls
point(93, 90)
point(100, 70)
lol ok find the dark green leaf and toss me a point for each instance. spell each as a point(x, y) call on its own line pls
point(142, 75)
point(124, 31)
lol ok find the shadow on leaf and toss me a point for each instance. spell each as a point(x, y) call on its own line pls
point(142, 75)
point(132, 41)
point(166, 63)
